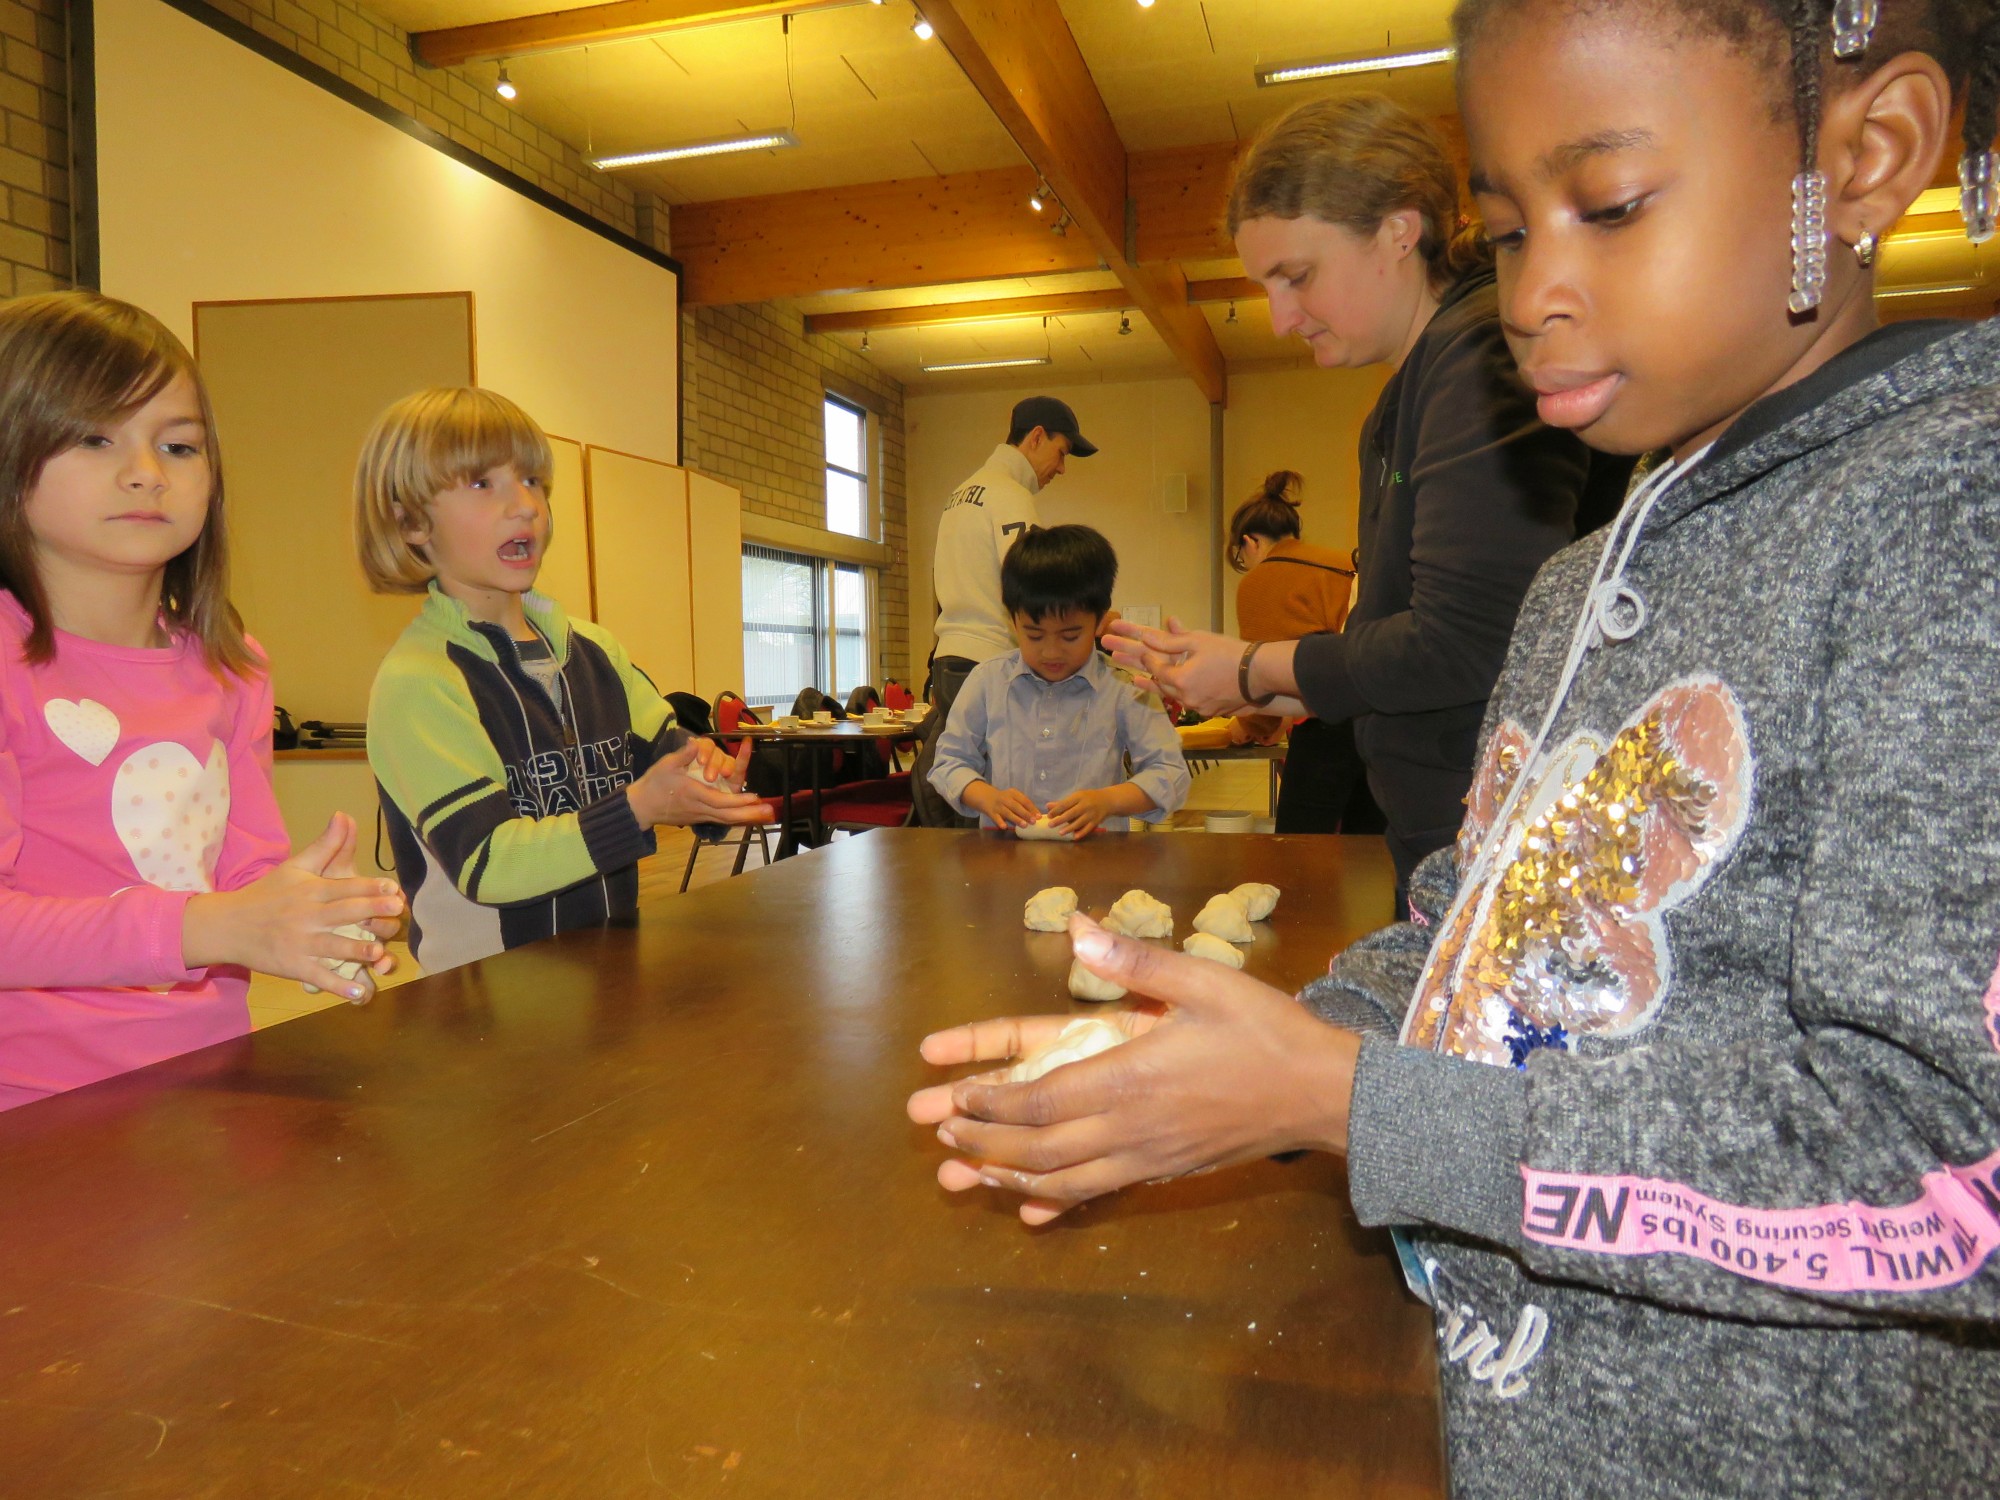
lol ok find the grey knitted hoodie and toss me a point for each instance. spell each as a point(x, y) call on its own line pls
point(1696, 1113)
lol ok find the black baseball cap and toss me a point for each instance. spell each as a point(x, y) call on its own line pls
point(1055, 418)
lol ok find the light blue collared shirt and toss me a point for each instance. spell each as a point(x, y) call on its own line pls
point(1010, 728)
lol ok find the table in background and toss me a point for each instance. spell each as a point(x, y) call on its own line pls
point(1274, 754)
point(637, 1210)
point(820, 739)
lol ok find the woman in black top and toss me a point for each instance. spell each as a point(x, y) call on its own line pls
point(1348, 211)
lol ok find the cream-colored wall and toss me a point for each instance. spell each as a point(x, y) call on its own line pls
point(1144, 430)
point(222, 176)
point(1308, 420)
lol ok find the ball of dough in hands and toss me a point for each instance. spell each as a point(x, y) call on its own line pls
point(1224, 917)
point(1084, 1037)
point(1207, 945)
point(1137, 914)
point(346, 968)
point(1085, 985)
point(1042, 828)
point(1259, 901)
point(1050, 910)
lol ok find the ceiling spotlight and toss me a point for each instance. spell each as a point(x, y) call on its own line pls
point(1061, 225)
point(1145, 4)
point(1124, 323)
point(923, 28)
point(864, 341)
point(1038, 199)
point(505, 87)
point(1232, 314)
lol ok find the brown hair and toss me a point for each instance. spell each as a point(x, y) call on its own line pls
point(421, 446)
point(1273, 512)
point(73, 362)
point(1353, 161)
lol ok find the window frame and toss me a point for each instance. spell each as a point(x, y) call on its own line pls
point(866, 476)
point(824, 629)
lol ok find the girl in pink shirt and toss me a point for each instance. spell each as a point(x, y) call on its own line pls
point(143, 865)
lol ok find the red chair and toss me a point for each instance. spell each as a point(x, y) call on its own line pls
point(895, 695)
point(861, 805)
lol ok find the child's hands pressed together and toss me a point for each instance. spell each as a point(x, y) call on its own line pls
point(1008, 807)
point(698, 783)
point(283, 923)
point(1082, 812)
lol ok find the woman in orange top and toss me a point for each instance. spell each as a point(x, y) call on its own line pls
point(1290, 589)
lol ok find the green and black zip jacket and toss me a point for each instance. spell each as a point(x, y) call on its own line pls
point(505, 803)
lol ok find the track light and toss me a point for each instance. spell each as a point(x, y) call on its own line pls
point(1039, 198)
point(864, 341)
point(505, 87)
point(1145, 4)
point(1124, 323)
point(923, 28)
point(1061, 225)
point(1232, 314)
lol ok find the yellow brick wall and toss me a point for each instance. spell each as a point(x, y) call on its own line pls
point(34, 156)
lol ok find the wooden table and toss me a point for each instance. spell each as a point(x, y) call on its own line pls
point(637, 1211)
point(821, 740)
point(1272, 755)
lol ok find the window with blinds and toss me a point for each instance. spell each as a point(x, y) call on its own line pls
point(806, 623)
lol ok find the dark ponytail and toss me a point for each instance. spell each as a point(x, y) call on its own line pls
point(1272, 512)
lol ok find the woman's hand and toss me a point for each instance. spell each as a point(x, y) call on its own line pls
point(698, 783)
point(1229, 1070)
point(1199, 667)
point(1008, 807)
point(283, 923)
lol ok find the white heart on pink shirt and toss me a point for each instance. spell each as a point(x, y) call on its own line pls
point(87, 727)
point(171, 813)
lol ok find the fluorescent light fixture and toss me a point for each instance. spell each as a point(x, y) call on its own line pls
point(1937, 289)
point(1335, 67)
point(987, 364)
point(722, 146)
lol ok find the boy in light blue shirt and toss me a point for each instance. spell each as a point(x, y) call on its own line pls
point(1044, 734)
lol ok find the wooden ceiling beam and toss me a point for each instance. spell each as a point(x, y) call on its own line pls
point(1228, 289)
point(488, 41)
point(1024, 60)
point(1053, 305)
point(918, 231)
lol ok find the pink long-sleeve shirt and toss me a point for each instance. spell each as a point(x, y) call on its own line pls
point(130, 779)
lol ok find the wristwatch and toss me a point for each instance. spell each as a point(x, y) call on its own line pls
point(1243, 677)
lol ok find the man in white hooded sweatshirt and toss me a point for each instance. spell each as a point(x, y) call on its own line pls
point(980, 522)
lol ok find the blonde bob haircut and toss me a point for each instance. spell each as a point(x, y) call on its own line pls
point(423, 445)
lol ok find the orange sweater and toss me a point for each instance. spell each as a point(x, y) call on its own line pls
point(1296, 590)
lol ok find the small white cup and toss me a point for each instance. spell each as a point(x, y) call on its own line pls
point(824, 716)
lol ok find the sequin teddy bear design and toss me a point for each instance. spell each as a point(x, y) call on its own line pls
point(170, 810)
point(1565, 935)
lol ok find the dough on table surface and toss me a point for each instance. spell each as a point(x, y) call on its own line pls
point(1042, 828)
point(1224, 917)
point(1207, 945)
point(1086, 1036)
point(1085, 985)
point(1137, 914)
point(1050, 910)
point(1258, 900)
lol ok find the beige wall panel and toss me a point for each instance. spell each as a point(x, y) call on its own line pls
point(222, 176)
point(715, 576)
point(312, 791)
point(291, 430)
point(565, 575)
point(640, 521)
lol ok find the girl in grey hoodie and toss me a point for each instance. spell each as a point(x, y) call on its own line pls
point(1683, 1084)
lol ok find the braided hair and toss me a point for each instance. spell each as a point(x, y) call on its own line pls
point(1963, 36)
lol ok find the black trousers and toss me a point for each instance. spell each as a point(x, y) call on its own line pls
point(948, 674)
point(1325, 786)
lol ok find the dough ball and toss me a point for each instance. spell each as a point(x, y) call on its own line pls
point(1204, 945)
point(1224, 917)
point(1086, 1036)
point(346, 968)
point(1258, 900)
point(1085, 985)
point(1136, 914)
point(1050, 910)
point(1042, 828)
